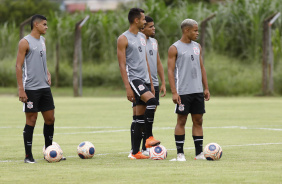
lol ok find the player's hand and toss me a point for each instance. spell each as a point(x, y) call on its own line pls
point(207, 95)
point(176, 98)
point(163, 89)
point(130, 95)
point(22, 96)
point(49, 78)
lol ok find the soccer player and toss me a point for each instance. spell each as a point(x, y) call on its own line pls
point(156, 68)
point(189, 86)
point(135, 73)
point(34, 82)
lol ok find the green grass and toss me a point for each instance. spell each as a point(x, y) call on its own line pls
point(248, 129)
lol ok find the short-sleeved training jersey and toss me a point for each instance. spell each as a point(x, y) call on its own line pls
point(188, 75)
point(136, 64)
point(152, 52)
point(35, 66)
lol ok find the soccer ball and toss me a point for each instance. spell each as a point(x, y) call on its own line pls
point(53, 143)
point(212, 151)
point(158, 153)
point(85, 150)
point(53, 153)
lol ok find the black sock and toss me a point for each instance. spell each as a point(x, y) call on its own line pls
point(149, 116)
point(132, 131)
point(138, 128)
point(198, 142)
point(48, 132)
point(144, 137)
point(27, 135)
point(179, 141)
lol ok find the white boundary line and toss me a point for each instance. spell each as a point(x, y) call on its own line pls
point(187, 148)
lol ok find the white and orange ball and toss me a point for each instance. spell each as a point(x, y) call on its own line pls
point(53, 153)
point(158, 153)
point(85, 150)
point(212, 151)
point(53, 143)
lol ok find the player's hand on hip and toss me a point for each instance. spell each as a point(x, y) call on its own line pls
point(22, 96)
point(207, 95)
point(130, 95)
point(163, 89)
point(176, 98)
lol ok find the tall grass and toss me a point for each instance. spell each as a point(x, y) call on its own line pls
point(236, 32)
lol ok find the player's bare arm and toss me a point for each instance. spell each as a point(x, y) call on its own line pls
point(151, 81)
point(121, 54)
point(22, 51)
point(204, 77)
point(160, 70)
point(172, 54)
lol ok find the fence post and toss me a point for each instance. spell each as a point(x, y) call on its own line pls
point(27, 21)
point(267, 57)
point(77, 58)
point(203, 26)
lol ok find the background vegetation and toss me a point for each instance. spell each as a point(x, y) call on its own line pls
point(233, 43)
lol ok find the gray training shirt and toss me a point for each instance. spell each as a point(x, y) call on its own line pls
point(136, 64)
point(152, 53)
point(35, 66)
point(188, 75)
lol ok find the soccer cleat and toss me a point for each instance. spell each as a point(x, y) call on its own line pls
point(130, 154)
point(151, 141)
point(201, 156)
point(29, 160)
point(139, 155)
point(180, 158)
point(63, 158)
point(146, 152)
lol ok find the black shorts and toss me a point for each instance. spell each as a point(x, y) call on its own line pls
point(39, 100)
point(157, 96)
point(139, 89)
point(191, 103)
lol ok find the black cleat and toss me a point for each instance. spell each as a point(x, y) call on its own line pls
point(63, 158)
point(29, 160)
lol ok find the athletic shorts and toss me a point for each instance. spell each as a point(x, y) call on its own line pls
point(139, 89)
point(191, 103)
point(39, 100)
point(157, 96)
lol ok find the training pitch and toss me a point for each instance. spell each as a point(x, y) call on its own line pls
point(249, 130)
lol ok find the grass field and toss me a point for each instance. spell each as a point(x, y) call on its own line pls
point(249, 129)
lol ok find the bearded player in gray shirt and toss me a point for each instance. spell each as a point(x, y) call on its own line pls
point(189, 86)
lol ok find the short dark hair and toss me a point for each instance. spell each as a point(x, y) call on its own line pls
point(36, 17)
point(149, 19)
point(134, 13)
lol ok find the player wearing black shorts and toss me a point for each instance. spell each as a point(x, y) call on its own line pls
point(189, 87)
point(135, 73)
point(156, 68)
point(34, 82)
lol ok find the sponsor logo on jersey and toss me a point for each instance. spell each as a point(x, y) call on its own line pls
point(181, 107)
point(196, 50)
point(143, 42)
point(140, 49)
point(29, 105)
point(151, 52)
point(141, 87)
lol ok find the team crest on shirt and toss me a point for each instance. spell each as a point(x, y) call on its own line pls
point(181, 107)
point(141, 87)
point(43, 46)
point(143, 42)
point(29, 105)
point(154, 45)
point(196, 50)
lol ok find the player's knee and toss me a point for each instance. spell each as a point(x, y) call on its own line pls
point(198, 121)
point(50, 120)
point(152, 103)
